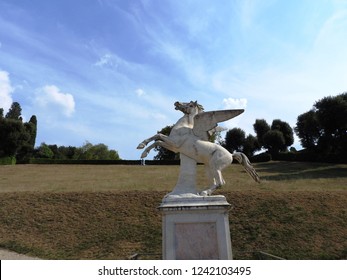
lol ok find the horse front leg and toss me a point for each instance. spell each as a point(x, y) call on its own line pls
point(156, 144)
point(144, 143)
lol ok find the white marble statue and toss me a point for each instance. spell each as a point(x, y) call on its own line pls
point(189, 136)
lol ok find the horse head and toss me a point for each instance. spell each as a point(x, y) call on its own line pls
point(189, 108)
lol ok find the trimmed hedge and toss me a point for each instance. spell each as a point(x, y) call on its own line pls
point(263, 157)
point(309, 156)
point(7, 161)
point(101, 162)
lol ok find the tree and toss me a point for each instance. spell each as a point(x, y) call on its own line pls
point(261, 127)
point(96, 152)
point(14, 112)
point(16, 138)
point(324, 128)
point(274, 141)
point(332, 117)
point(286, 130)
point(67, 152)
point(276, 138)
point(235, 139)
point(307, 129)
point(251, 145)
point(12, 137)
point(27, 149)
point(44, 151)
point(31, 127)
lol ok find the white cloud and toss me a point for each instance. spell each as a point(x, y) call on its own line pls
point(140, 92)
point(5, 91)
point(50, 96)
point(232, 103)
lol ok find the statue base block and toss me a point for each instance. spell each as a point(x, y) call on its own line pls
point(195, 228)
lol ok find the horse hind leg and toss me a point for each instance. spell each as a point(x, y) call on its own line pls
point(215, 178)
point(211, 181)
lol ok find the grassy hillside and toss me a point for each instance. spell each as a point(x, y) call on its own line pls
point(298, 211)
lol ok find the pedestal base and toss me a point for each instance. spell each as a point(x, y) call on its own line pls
point(196, 228)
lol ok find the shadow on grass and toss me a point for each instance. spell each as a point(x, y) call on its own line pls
point(298, 170)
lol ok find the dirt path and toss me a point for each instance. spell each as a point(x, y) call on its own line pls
point(9, 255)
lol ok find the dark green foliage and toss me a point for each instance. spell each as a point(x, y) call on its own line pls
point(261, 127)
point(87, 152)
point(17, 138)
point(274, 141)
point(251, 145)
point(7, 161)
point(307, 129)
point(235, 139)
point(276, 138)
point(323, 130)
point(12, 136)
point(44, 151)
point(99, 151)
point(286, 131)
point(15, 112)
point(31, 127)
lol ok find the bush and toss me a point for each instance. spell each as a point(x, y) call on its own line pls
point(8, 161)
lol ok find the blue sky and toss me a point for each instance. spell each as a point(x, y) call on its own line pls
point(109, 71)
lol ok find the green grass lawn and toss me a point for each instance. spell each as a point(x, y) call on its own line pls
point(277, 176)
point(298, 211)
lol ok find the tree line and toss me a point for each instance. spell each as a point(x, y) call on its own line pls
point(17, 142)
point(322, 132)
point(87, 151)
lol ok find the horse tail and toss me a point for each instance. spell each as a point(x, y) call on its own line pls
point(243, 159)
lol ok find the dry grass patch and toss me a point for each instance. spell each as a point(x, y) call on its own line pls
point(109, 212)
point(115, 225)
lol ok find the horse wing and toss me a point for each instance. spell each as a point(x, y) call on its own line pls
point(206, 121)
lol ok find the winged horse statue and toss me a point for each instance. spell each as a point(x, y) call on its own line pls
point(189, 136)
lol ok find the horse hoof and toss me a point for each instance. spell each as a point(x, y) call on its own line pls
point(141, 146)
point(144, 154)
point(205, 193)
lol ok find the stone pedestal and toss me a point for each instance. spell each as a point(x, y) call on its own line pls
point(195, 228)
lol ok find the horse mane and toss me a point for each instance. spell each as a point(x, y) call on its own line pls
point(200, 107)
